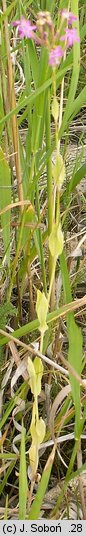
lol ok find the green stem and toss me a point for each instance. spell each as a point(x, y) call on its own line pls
point(36, 407)
point(52, 280)
point(49, 178)
point(58, 208)
point(41, 342)
point(41, 243)
point(54, 92)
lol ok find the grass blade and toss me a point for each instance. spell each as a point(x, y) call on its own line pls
point(7, 474)
point(75, 344)
point(75, 359)
point(22, 478)
point(76, 107)
point(33, 61)
point(5, 199)
point(36, 506)
point(77, 177)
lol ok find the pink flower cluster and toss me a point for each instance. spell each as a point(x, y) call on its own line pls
point(25, 28)
point(70, 36)
point(55, 55)
point(69, 16)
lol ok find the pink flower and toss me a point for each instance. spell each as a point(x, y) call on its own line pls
point(71, 36)
point(68, 15)
point(25, 28)
point(55, 55)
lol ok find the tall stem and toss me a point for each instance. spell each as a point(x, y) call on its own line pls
point(41, 342)
point(52, 281)
point(61, 106)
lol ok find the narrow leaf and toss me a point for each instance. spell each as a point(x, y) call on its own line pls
point(75, 359)
point(5, 199)
point(77, 177)
point(7, 474)
point(76, 107)
point(22, 478)
point(75, 344)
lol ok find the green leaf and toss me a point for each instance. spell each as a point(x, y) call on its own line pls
point(8, 10)
point(61, 4)
point(5, 199)
point(77, 177)
point(78, 103)
point(8, 456)
point(50, 5)
point(75, 344)
point(33, 61)
point(1, 112)
point(7, 474)
point(78, 472)
point(37, 503)
point(22, 478)
point(6, 310)
point(9, 408)
point(75, 359)
point(76, 107)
